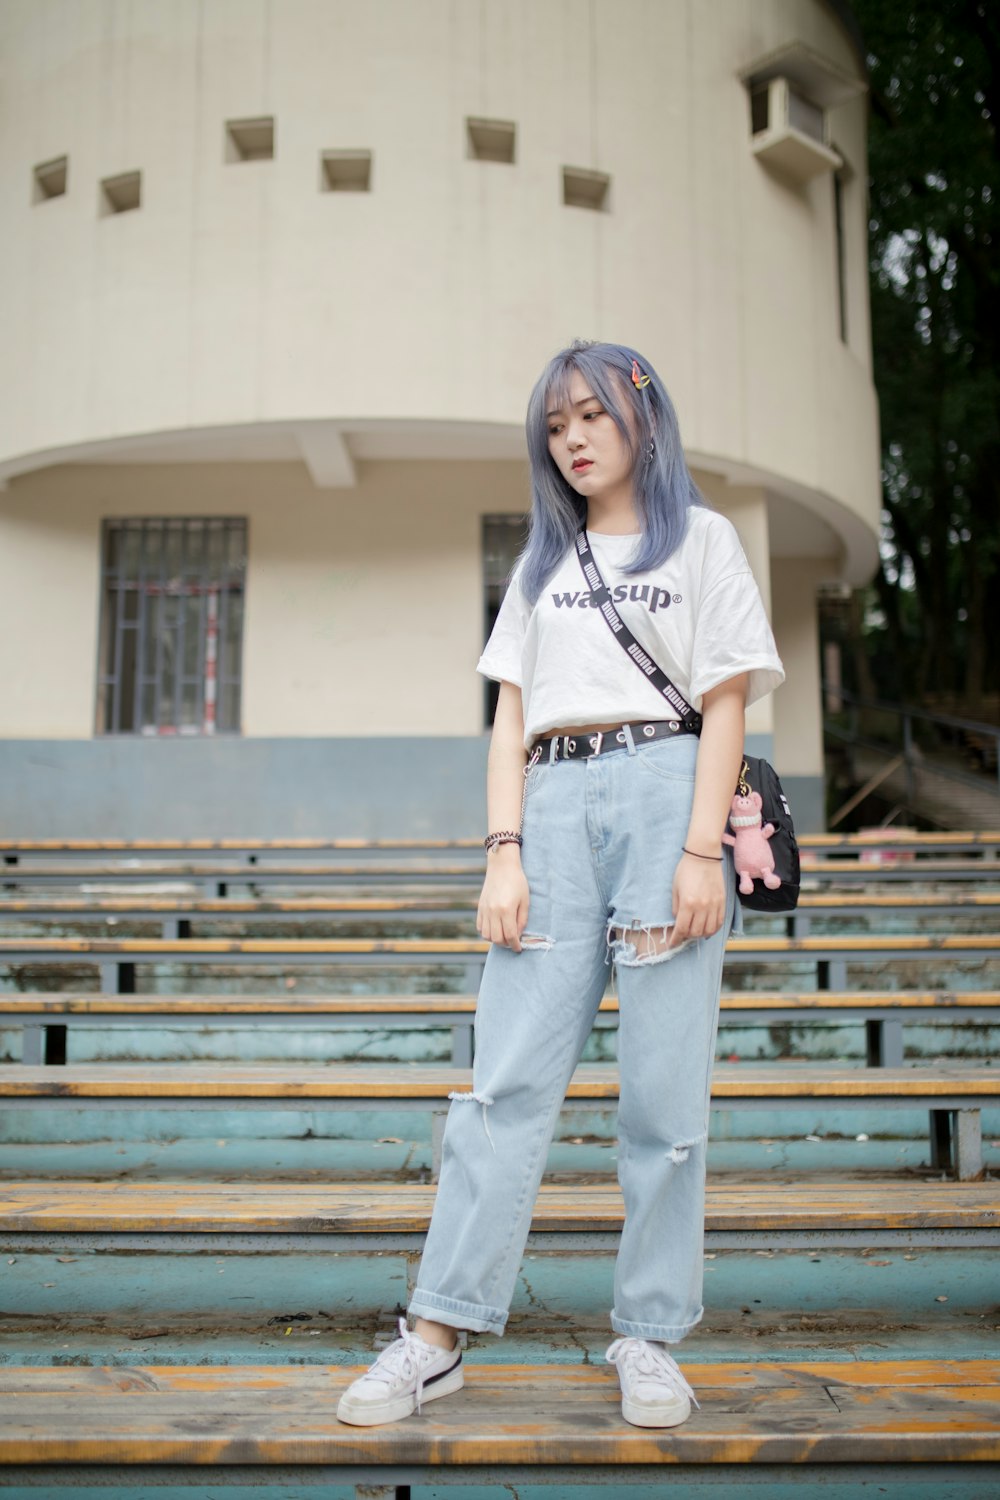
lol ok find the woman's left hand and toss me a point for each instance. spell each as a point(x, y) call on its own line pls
point(699, 899)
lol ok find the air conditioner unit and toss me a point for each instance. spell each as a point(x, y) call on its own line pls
point(789, 131)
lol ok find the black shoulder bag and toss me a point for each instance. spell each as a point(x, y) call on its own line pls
point(756, 774)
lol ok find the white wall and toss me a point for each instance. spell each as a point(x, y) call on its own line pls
point(240, 295)
point(798, 721)
point(364, 608)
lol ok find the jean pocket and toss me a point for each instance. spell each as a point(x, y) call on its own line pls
point(536, 774)
point(670, 760)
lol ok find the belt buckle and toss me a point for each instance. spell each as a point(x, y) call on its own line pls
point(599, 738)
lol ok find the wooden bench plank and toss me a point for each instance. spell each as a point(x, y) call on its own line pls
point(952, 1095)
point(884, 1012)
point(904, 945)
point(400, 1082)
point(820, 869)
point(505, 1414)
point(285, 1003)
point(870, 839)
point(228, 907)
point(250, 846)
point(375, 1208)
point(849, 1374)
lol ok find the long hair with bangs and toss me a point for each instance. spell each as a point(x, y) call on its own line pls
point(663, 488)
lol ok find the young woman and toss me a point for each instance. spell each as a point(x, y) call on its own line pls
point(606, 814)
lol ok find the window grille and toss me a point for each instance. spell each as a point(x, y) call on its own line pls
point(503, 538)
point(172, 596)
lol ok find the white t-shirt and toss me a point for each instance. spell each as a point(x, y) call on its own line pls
point(699, 615)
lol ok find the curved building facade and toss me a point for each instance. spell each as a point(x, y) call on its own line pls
point(277, 280)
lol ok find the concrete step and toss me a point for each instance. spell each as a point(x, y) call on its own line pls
point(580, 1152)
point(195, 1258)
point(311, 1337)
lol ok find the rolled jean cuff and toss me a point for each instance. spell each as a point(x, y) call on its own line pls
point(663, 1332)
point(469, 1315)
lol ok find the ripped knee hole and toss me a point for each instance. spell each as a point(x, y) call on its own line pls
point(636, 944)
point(537, 940)
point(470, 1096)
point(681, 1150)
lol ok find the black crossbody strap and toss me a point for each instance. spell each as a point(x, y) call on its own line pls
point(647, 666)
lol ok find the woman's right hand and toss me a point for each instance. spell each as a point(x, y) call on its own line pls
point(503, 903)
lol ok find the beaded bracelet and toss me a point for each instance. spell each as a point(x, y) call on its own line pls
point(717, 858)
point(507, 836)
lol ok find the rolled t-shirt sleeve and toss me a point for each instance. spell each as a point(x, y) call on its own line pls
point(733, 635)
point(501, 658)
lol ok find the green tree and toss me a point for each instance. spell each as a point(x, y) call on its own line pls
point(935, 290)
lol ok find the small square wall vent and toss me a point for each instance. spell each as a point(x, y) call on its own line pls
point(490, 140)
point(50, 179)
point(250, 140)
point(119, 194)
point(585, 189)
point(345, 171)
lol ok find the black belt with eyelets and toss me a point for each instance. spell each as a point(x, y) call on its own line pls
point(599, 741)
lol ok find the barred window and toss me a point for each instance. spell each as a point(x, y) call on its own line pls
point(503, 539)
point(171, 625)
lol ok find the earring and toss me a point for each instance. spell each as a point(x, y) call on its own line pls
point(649, 451)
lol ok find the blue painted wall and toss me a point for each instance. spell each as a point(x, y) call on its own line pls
point(231, 787)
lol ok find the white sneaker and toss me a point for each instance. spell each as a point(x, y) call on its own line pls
point(408, 1370)
point(654, 1392)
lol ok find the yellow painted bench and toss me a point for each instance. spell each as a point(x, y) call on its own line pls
point(111, 954)
point(884, 1013)
point(175, 914)
point(510, 1425)
point(215, 876)
point(53, 1216)
point(886, 838)
point(952, 1094)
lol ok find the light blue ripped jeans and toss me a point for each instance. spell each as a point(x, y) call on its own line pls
point(602, 838)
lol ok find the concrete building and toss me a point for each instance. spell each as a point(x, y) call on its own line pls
point(277, 278)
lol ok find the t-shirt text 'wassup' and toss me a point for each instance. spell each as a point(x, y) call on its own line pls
point(646, 593)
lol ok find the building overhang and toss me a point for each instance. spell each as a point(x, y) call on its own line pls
point(331, 450)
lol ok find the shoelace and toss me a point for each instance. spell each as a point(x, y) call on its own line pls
point(641, 1357)
point(402, 1358)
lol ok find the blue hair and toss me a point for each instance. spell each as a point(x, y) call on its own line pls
point(664, 490)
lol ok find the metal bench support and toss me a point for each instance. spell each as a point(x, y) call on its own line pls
point(957, 1142)
point(32, 1038)
point(884, 1044)
point(461, 1044)
point(117, 976)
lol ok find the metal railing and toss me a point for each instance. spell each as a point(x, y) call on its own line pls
point(901, 731)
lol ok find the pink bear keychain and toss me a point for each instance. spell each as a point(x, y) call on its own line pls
point(751, 850)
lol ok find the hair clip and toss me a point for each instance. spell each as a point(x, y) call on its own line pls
point(638, 379)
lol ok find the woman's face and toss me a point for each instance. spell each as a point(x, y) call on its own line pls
point(584, 441)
